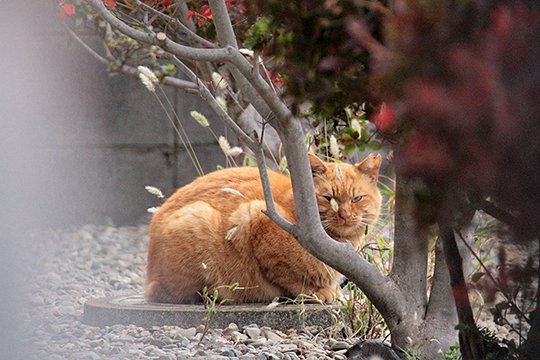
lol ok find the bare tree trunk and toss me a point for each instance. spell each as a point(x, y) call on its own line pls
point(409, 267)
point(441, 317)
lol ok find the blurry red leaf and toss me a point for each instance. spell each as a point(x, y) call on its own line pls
point(66, 9)
point(109, 3)
point(385, 118)
point(190, 14)
point(166, 3)
point(205, 11)
point(275, 77)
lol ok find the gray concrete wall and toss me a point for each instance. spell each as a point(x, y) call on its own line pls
point(112, 138)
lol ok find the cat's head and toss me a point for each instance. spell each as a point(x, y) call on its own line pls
point(347, 195)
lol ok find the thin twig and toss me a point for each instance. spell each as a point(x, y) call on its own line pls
point(493, 210)
point(206, 95)
point(183, 28)
point(183, 130)
point(186, 52)
point(126, 69)
point(190, 151)
point(492, 278)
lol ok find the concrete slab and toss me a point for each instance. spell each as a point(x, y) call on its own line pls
point(137, 311)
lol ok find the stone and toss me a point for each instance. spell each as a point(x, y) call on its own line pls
point(286, 347)
point(64, 310)
point(238, 336)
point(258, 342)
point(200, 329)
point(230, 328)
point(306, 345)
point(157, 352)
point(337, 345)
point(247, 357)
point(229, 353)
point(252, 332)
point(158, 343)
point(270, 356)
point(370, 348)
point(167, 357)
point(186, 333)
point(290, 356)
point(270, 335)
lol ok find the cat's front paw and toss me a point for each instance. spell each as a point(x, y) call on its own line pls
point(328, 295)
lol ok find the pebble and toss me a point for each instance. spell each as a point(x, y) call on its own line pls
point(186, 333)
point(286, 347)
point(338, 345)
point(252, 331)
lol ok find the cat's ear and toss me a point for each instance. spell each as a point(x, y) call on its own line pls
point(317, 165)
point(370, 166)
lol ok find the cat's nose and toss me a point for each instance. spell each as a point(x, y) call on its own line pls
point(343, 214)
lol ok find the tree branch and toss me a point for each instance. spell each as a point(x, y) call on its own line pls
point(184, 52)
point(224, 29)
point(190, 35)
point(270, 211)
point(129, 70)
point(226, 37)
point(493, 210)
point(183, 9)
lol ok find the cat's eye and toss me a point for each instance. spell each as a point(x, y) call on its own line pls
point(327, 197)
point(357, 198)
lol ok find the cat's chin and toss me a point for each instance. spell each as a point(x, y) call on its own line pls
point(344, 231)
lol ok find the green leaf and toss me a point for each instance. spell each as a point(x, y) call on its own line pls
point(234, 286)
point(349, 149)
point(477, 276)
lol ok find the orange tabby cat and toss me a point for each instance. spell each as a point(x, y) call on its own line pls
point(211, 233)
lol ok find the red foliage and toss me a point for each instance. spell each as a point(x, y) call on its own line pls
point(275, 77)
point(66, 9)
point(464, 83)
point(204, 13)
point(109, 3)
point(385, 119)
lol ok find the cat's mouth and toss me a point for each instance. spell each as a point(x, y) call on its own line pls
point(339, 225)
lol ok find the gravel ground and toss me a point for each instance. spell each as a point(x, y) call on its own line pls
point(95, 261)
